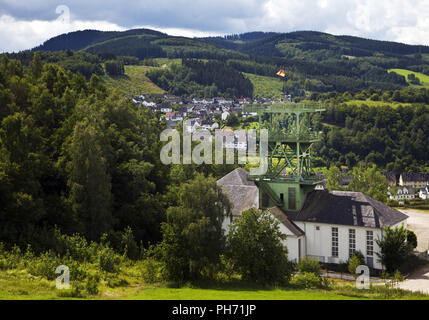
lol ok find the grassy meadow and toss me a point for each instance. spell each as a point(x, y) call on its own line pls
point(371, 103)
point(266, 87)
point(424, 79)
point(134, 81)
point(20, 284)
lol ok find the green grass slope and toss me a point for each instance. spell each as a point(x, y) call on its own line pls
point(424, 79)
point(265, 87)
point(134, 81)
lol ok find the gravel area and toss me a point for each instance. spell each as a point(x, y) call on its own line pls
point(418, 222)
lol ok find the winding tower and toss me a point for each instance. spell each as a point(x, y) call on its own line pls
point(290, 176)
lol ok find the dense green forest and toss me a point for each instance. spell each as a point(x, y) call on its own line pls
point(74, 155)
point(314, 61)
point(202, 79)
point(395, 139)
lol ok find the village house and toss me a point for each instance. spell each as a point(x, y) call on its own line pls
point(401, 193)
point(331, 225)
point(412, 179)
point(225, 115)
point(424, 193)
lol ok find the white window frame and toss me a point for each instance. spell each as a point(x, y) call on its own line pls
point(370, 243)
point(334, 242)
point(352, 242)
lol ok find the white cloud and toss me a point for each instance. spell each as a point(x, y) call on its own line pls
point(395, 20)
point(19, 35)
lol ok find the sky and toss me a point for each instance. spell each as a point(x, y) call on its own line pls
point(26, 24)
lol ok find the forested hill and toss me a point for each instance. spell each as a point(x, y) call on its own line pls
point(314, 61)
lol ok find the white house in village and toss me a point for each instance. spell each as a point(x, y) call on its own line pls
point(225, 115)
point(424, 192)
point(331, 225)
point(401, 193)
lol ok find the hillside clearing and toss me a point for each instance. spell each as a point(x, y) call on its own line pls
point(134, 81)
point(265, 87)
point(371, 103)
point(424, 79)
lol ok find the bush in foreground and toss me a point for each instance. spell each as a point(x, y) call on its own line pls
point(309, 265)
point(255, 245)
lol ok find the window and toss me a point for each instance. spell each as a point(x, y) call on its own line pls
point(292, 198)
point(369, 243)
point(352, 242)
point(335, 242)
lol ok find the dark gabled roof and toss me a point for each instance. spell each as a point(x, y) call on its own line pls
point(413, 176)
point(243, 194)
point(347, 208)
point(283, 218)
point(390, 177)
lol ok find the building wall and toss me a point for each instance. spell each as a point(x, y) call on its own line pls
point(292, 244)
point(319, 242)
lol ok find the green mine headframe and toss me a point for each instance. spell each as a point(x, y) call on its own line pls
point(290, 176)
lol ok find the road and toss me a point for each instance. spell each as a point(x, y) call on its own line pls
point(418, 222)
point(418, 281)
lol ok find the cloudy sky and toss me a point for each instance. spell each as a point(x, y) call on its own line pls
point(28, 23)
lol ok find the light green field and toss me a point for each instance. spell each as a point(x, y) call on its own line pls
point(20, 285)
point(266, 87)
point(134, 81)
point(212, 294)
point(424, 79)
point(371, 103)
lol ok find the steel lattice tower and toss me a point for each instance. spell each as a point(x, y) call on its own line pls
point(290, 176)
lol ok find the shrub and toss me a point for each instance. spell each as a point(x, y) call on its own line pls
point(75, 246)
point(74, 292)
point(44, 265)
point(309, 265)
point(108, 260)
point(129, 244)
point(113, 283)
point(152, 270)
point(78, 270)
point(353, 264)
point(3, 264)
point(256, 246)
point(308, 280)
point(360, 256)
point(397, 276)
point(92, 284)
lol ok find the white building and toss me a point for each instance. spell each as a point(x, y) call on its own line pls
point(401, 193)
point(331, 225)
point(225, 115)
point(424, 193)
